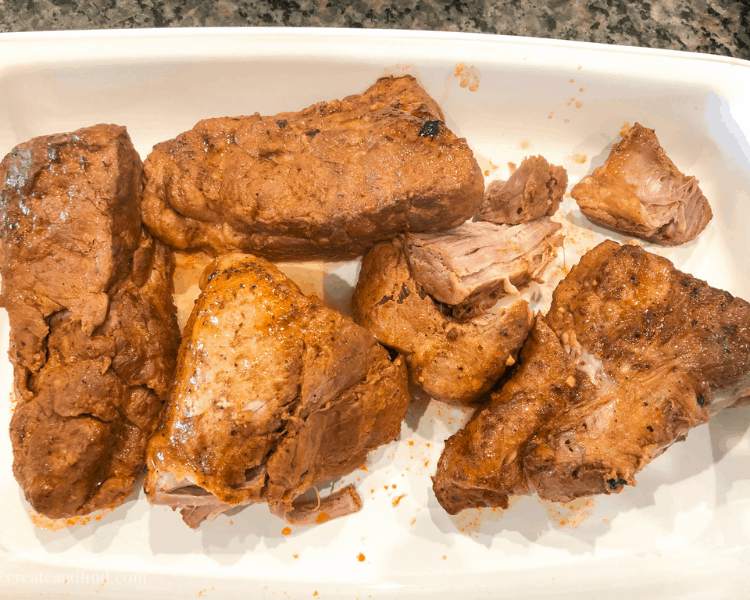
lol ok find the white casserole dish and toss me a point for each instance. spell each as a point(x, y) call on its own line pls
point(684, 532)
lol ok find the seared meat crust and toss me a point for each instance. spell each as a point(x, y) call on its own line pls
point(632, 354)
point(94, 331)
point(325, 182)
point(274, 394)
point(454, 361)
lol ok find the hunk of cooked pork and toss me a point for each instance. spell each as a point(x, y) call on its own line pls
point(274, 394)
point(94, 334)
point(454, 361)
point(470, 266)
point(639, 191)
point(632, 354)
point(533, 191)
point(324, 182)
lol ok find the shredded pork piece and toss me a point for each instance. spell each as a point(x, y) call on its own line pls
point(639, 191)
point(473, 265)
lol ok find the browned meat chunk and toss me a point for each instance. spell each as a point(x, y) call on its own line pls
point(93, 326)
point(274, 394)
point(533, 191)
point(639, 191)
point(451, 360)
point(631, 356)
point(474, 264)
point(328, 181)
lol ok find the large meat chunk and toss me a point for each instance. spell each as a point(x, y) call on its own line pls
point(533, 191)
point(454, 361)
point(94, 331)
point(631, 356)
point(327, 181)
point(639, 191)
point(274, 394)
point(474, 264)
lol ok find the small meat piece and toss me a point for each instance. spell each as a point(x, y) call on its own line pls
point(94, 332)
point(639, 191)
point(533, 191)
point(274, 394)
point(325, 182)
point(631, 356)
point(473, 265)
point(451, 360)
point(482, 465)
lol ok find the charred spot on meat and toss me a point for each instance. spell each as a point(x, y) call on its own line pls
point(639, 191)
point(94, 331)
point(325, 182)
point(274, 394)
point(607, 381)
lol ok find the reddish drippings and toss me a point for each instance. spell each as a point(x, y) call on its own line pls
point(579, 158)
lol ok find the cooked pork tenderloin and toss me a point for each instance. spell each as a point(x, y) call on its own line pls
point(533, 191)
point(632, 354)
point(473, 265)
point(454, 361)
point(94, 331)
point(639, 191)
point(274, 394)
point(325, 182)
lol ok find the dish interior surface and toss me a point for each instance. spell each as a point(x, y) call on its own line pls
point(683, 529)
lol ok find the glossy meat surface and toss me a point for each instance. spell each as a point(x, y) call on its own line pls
point(324, 182)
point(454, 361)
point(275, 393)
point(640, 191)
point(94, 331)
point(631, 356)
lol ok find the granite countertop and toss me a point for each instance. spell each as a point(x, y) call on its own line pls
point(709, 26)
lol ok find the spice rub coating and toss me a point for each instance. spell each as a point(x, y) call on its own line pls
point(324, 182)
point(631, 356)
point(453, 361)
point(94, 333)
point(274, 394)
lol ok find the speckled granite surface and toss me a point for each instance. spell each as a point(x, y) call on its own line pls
point(712, 26)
